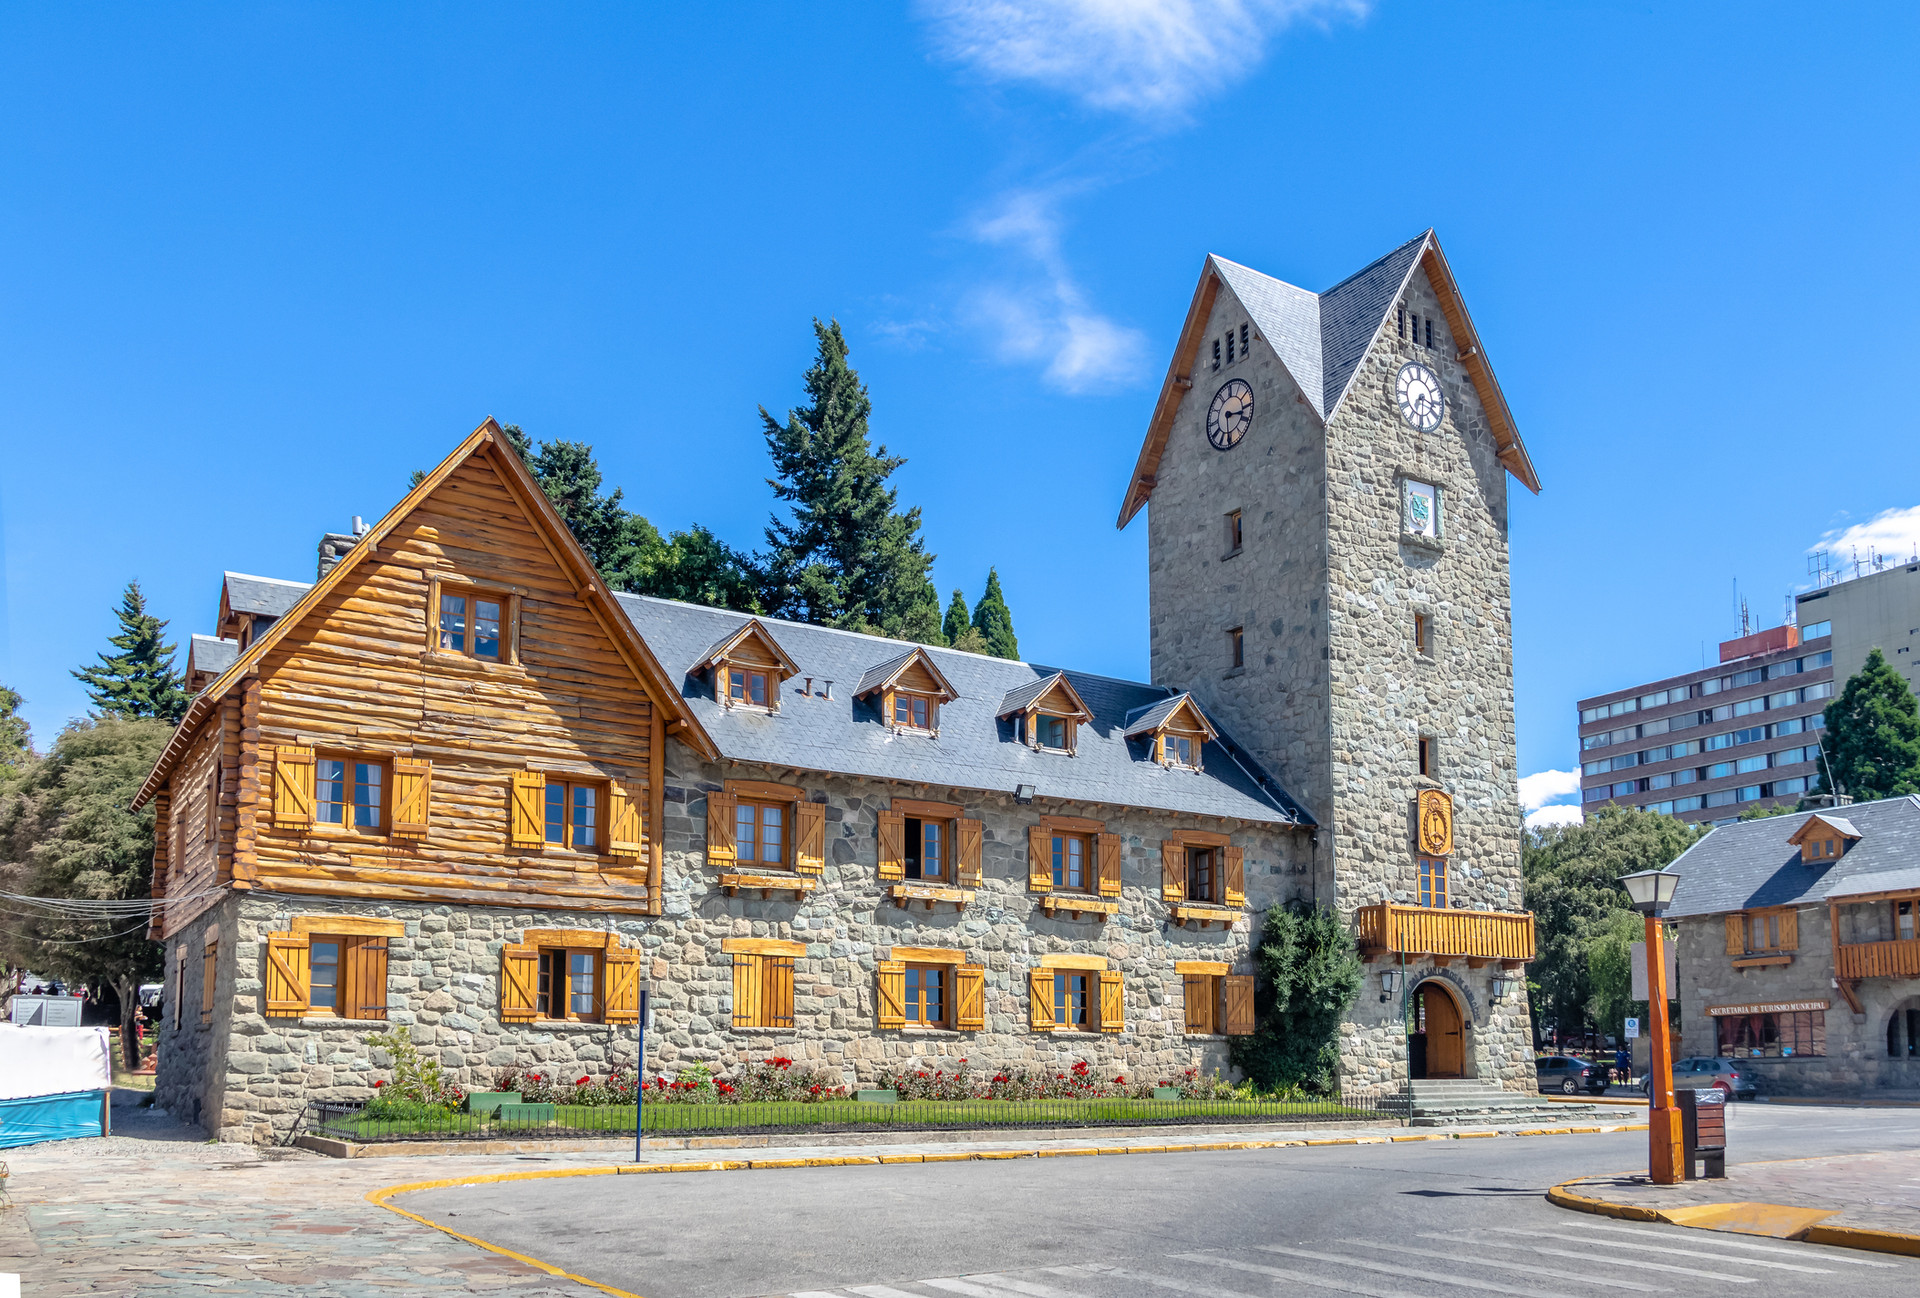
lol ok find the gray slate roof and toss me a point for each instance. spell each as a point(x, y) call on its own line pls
point(1144, 720)
point(876, 675)
point(207, 653)
point(1749, 863)
point(1322, 338)
point(1020, 697)
point(974, 749)
point(268, 596)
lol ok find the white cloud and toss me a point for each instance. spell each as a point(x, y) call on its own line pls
point(1039, 313)
point(1148, 58)
point(1546, 787)
point(1892, 534)
point(1551, 817)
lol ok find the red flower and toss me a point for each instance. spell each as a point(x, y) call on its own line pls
point(581, 1082)
point(378, 1085)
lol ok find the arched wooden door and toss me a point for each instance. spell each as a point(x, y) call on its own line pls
point(1446, 1038)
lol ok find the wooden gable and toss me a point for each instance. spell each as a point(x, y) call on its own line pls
point(1822, 839)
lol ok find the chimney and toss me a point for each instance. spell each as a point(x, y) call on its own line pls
point(334, 545)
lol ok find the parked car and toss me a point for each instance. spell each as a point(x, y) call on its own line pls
point(1728, 1076)
point(1570, 1076)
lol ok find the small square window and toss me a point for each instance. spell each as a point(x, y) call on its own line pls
point(1202, 874)
point(1236, 648)
point(1423, 634)
point(760, 833)
point(348, 793)
point(1429, 757)
point(1177, 750)
point(572, 816)
point(913, 710)
point(568, 986)
point(472, 623)
point(746, 686)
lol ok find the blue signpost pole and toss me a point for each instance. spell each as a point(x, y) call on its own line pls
point(640, 1083)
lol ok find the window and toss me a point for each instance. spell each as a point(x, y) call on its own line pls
point(1686, 775)
point(569, 985)
point(914, 711)
point(927, 847)
point(1599, 793)
point(1216, 353)
point(762, 981)
point(209, 967)
point(1724, 798)
point(1050, 732)
point(470, 623)
point(1433, 882)
point(348, 793)
point(1236, 649)
point(1071, 999)
point(1752, 676)
point(760, 833)
point(1596, 741)
point(1429, 757)
point(573, 815)
point(1772, 930)
point(1902, 921)
point(1072, 863)
point(1824, 690)
point(1815, 630)
point(1234, 535)
point(1686, 804)
point(1746, 793)
point(1748, 765)
point(329, 974)
point(1243, 341)
point(1217, 1003)
point(1813, 662)
point(1202, 874)
point(1178, 750)
point(1747, 707)
point(1772, 1036)
point(746, 686)
point(1403, 321)
point(1791, 726)
point(1750, 735)
point(1421, 511)
point(1626, 788)
point(1903, 1044)
point(1423, 634)
point(1075, 994)
point(926, 995)
point(1791, 667)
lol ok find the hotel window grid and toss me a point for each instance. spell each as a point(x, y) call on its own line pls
point(348, 793)
point(573, 816)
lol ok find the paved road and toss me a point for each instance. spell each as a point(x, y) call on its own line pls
point(1459, 1219)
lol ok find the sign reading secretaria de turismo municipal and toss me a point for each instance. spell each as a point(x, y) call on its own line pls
point(1782, 1007)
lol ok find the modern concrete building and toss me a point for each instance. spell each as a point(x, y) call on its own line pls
point(1879, 610)
point(1705, 745)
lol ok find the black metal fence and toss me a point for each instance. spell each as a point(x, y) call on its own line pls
point(352, 1122)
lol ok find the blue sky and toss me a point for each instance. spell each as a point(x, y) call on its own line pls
point(259, 262)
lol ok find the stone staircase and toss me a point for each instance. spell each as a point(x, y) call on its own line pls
point(1444, 1102)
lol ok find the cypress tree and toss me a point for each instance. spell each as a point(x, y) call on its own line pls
point(921, 622)
point(1872, 740)
point(958, 619)
point(846, 558)
point(994, 620)
point(139, 680)
point(1307, 975)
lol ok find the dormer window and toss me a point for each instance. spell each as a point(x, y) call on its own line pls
point(745, 685)
point(1178, 750)
point(915, 711)
point(1823, 839)
point(1047, 713)
point(747, 667)
point(1176, 732)
point(908, 691)
point(1051, 732)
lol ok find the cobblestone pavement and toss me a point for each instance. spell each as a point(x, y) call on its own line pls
point(1865, 1191)
point(156, 1210)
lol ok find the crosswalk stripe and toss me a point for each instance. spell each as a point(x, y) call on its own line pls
point(1670, 1251)
point(813, 1293)
point(882, 1291)
point(1406, 1273)
point(961, 1287)
point(1632, 1264)
point(1032, 1289)
point(1791, 1250)
point(1208, 1291)
point(1529, 1268)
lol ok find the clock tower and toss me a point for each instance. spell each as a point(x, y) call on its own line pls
point(1326, 478)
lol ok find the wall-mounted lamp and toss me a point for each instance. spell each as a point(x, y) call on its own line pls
point(1504, 985)
point(1023, 794)
point(1389, 984)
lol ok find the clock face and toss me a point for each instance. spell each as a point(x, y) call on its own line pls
point(1422, 404)
point(1229, 415)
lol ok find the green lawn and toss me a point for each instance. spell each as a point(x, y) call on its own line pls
point(910, 1113)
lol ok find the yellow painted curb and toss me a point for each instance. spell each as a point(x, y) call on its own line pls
point(1874, 1241)
point(1855, 1237)
point(1489, 1135)
point(1773, 1220)
point(1560, 1196)
point(1063, 1153)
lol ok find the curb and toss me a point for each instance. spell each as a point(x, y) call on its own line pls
point(1854, 1237)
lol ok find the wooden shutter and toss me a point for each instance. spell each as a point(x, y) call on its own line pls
point(893, 844)
point(1173, 870)
point(970, 998)
point(363, 968)
point(1039, 860)
point(746, 991)
point(1239, 1000)
point(776, 991)
point(623, 986)
point(529, 810)
point(1736, 935)
point(809, 838)
point(1789, 930)
point(292, 787)
point(722, 846)
point(1107, 848)
point(287, 976)
point(968, 834)
point(626, 830)
point(1199, 999)
point(519, 977)
point(893, 994)
point(412, 796)
point(1236, 868)
point(1040, 999)
point(1113, 1001)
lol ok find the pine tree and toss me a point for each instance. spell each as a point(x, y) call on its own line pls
point(994, 620)
point(921, 622)
point(1872, 740)
point(846, 558)
point(959, 621)
point(1307, 975)
point(16, 741)
point(138, 681)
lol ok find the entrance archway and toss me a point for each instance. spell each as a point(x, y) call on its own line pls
point(1436, 1033)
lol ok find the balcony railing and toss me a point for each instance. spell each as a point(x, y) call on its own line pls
point(1385, 928)
point(1899, 959)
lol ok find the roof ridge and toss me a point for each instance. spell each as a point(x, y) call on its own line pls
point(1390, 253)
point(277, 581)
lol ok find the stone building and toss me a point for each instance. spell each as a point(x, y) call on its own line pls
point(1797, 948)
point(456, 784)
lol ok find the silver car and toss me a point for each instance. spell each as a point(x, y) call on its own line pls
point(1729, 1076)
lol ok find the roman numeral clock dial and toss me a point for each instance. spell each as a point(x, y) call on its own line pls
point(1229, 415)
point(1422, 404)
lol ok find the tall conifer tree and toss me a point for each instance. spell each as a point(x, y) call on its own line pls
point(994, 620)
point(1872, 740)
point(16, 740)
point(958, 619)
point(139, 680)
point(845, 558)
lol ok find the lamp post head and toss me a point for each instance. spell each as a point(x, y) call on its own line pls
point(1651, 890)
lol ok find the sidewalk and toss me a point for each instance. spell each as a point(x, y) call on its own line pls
point(1869, 1201)
point(158, 1211)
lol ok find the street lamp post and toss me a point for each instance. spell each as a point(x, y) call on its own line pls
point(1652, 891)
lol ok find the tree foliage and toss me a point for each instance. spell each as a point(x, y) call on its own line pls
point(66, 831)
point(1307, 975)
point(1872, 739)
point(994, 620)
point(1610, 972)
point(1571, 875)
point(139, 680)
point(958, 621)
point(16, 740)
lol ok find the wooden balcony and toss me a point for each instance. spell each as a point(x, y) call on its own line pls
point(1900, 959)
point(1477, 936)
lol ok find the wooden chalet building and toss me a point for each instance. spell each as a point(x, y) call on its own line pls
point(458, 784)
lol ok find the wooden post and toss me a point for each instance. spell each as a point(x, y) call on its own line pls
point(1665, 1152)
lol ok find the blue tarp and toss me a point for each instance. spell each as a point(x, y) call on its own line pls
point(50, 1117)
